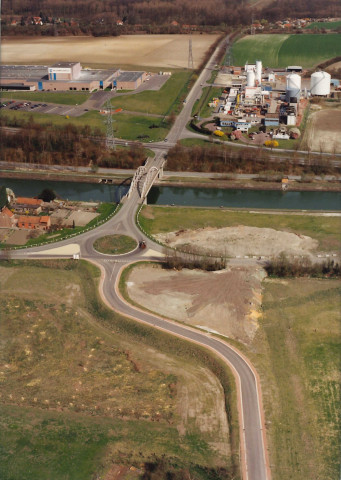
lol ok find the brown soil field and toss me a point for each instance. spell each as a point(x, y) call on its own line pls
point(323, 132)
point(240, 241)
point(164, 51)
point(227, 301)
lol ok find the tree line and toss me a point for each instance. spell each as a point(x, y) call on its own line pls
point(65, 145)
point(100, 17)
point(282, 266)
point(225, 159)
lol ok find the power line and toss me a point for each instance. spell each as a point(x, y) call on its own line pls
point(110, 139)
point(190, 53)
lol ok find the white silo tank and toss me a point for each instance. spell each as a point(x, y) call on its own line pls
point(320, 83)
point(293, 88)
point(259, 71)
point(250, 78)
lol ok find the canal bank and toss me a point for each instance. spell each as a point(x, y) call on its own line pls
point(209, 196)
point(180, 179)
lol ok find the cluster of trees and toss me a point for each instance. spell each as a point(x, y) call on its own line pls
point(67, 145)
point(282, 266)
point(241, 160)
point(282, 9)
point(177, 261)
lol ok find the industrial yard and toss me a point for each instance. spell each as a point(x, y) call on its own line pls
point(268, 106)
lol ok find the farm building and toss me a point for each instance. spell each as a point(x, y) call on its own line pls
point(25, 204)
point(34, 223)
point(64, 76)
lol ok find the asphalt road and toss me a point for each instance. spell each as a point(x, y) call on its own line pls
point(254, 459)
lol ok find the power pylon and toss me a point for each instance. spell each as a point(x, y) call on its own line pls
point(190, 53)
point(110, 140)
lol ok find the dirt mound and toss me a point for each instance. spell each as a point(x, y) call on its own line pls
point(239, 241)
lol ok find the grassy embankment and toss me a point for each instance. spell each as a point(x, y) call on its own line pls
point(129, 127)
point(296, 348)
point(326, 230)
point(165, 101)
point(82, 388)
point(115, 244)
point(64, 98)
point(283, 50)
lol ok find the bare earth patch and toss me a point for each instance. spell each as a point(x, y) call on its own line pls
point(227, 301)
point(323, 132)
point(168, 51)
point(240, 241)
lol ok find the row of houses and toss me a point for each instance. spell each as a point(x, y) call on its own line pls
point(25, 213)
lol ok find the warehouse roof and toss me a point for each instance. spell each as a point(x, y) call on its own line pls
point(129, 76)
point(64, 64)
point(23, 71)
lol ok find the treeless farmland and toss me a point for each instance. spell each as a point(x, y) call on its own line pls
point(166, 51)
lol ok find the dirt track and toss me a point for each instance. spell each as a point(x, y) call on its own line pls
point(165, 51)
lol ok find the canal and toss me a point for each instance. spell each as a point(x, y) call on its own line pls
point(200, 197)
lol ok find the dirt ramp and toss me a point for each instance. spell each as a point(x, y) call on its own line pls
point(227, 301)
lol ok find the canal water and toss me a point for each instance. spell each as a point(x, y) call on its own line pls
point(200, 197)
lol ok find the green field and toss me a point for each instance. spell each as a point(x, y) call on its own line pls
point(283, 50)
point(324, 25)
point(83, 389)
point(161, 102)
point(326, 230)
point(130, 127)
point(297, 353)
point(50, 97)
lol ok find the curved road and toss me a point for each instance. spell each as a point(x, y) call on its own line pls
point(254, 458)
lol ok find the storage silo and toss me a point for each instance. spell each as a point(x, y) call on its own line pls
point(259, 71)
point(250, 78)
point(320, 83)
point(293, 88)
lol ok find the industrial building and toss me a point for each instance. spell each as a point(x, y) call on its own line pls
point(65, 76)
point(271, 98)
point(129, 80)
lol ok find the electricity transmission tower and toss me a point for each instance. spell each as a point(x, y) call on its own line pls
point(190, 53)
point(110, 140)
point(253, 29)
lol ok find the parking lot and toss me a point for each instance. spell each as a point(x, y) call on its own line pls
point(25, 106)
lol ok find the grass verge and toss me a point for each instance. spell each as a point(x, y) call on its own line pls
point(115, 244)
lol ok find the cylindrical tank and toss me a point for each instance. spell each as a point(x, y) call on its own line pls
point(259, 71)
point(250, 79)
point(320, 83)
point(293, 88)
